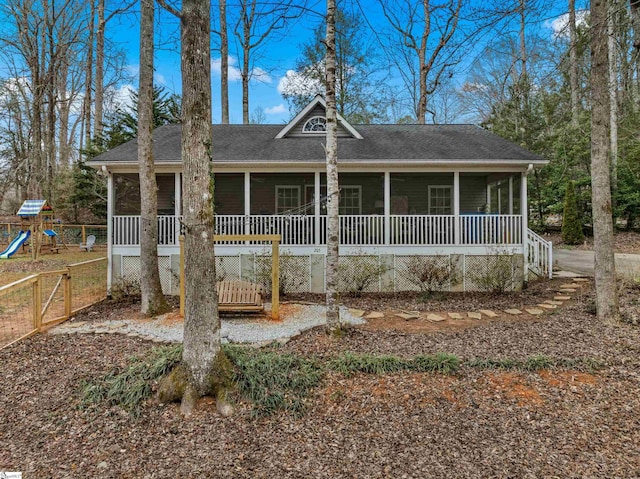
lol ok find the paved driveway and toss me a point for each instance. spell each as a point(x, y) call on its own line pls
point(581, 262)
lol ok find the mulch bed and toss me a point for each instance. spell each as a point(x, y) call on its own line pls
point(474, 424)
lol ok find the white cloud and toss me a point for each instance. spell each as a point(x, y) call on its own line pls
point(234, 72)
point(120, 97)
point(159, 78)
point(132, 69)
point(276, 110)
point(560, 25)
point(295, 83)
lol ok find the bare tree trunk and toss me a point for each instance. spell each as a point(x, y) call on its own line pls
point(88, 95)
point(99, 81)
point(605, 270)
point(202, 351)
point(153, 301)
point(523, 45)
point(635, 23)
point(245, 67)
point(573, 63)
point(224, 63)
point(333, 189)
point(422, 102)
point(613, 97)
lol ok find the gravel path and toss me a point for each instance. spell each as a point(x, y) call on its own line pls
point(298, 318)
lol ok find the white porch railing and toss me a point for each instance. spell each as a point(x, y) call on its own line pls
point(539, 254)
point(422, 229)
point(126, 230)
point(355, 230)
point(490, 229)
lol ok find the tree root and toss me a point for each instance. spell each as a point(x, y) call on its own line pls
point(178, 386)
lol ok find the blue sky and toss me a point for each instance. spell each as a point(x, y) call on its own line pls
point(281, 55)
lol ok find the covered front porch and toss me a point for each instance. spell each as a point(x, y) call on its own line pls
point(434, 210)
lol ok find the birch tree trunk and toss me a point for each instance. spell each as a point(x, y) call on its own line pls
point(153, 301)
point(573, 63)
point(224, 63)
point(605, 271)
point(613, 96)
point(246, 47)
point(99, 81)
point(333, 189)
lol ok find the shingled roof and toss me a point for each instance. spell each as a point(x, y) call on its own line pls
point(247, 144)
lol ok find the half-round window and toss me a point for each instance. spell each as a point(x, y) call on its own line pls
point(315, 124)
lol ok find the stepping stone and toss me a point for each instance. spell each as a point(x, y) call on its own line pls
point(488, 312)
point(434, 317)
point(534, 311)
point(554, 303)
point(513, 312)
point(75, 324)
point(547, 306)
point(567, 290)
point(562, 298)
point(457, 316)
point(408, 316)
point(580, 280)
point(474, 315)
point(570, 285)
point(358, 313)
point(374, 315)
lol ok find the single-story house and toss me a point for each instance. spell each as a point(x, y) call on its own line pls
point(454, 194)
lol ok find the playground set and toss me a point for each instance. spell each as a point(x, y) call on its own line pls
point(36, 225)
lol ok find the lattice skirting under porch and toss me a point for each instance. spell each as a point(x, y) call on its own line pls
point(357, 273)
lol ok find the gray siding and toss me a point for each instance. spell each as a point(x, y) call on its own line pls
point(263, 189)
point(409, 191)
point(228, 193)
point(473, 193)
point(127, 197)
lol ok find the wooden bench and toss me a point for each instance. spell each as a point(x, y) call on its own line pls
point(239, 296)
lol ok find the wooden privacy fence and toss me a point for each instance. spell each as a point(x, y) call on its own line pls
point(42, 300)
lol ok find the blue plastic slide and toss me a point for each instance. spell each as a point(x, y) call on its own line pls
point(15, 244)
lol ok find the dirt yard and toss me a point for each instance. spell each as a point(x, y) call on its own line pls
point(477, 423)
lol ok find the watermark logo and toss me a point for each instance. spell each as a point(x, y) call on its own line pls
point(10, 475)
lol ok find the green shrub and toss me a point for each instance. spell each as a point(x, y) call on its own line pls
point(571, 224)
point(272, 380)
point(129, 388)
point(440, 363)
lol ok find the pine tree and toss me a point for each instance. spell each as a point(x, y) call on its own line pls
point(571, 224)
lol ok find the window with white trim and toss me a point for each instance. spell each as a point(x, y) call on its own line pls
point(350, 200)
point(287, 198)
point(316, 124)
point(440, 200)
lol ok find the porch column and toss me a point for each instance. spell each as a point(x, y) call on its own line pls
point(316, 206)
point(456, 207)
point(511, 195)
point(525, 224)
point(110, 198)
point(387, 207)
point(177, 195)
point(247, 203)
point(177, 206)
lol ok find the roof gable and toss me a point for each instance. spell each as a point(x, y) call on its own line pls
point(317, 102)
